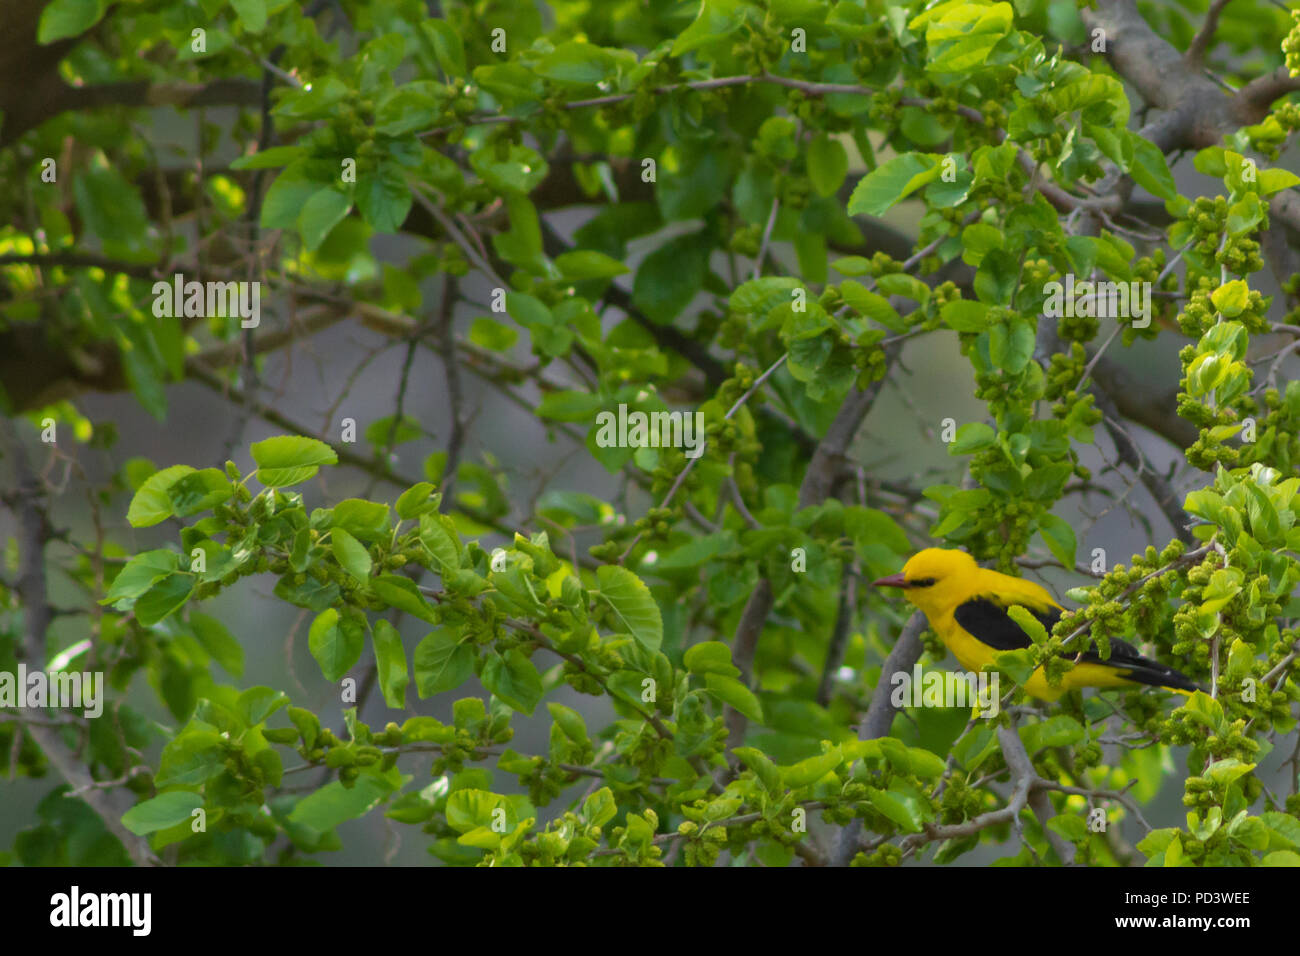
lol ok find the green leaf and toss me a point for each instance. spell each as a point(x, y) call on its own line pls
point(252, 14)
point(599, 808)
point(1245, 215)
point(383, 198)
point(351, 554)
point(513, 678)
point(163, 599)
point(633, 604)
point(495, 336)
point(1205, 710)
point(717, 19)
point(140, 574)
point(828, 163)
point(871, 305)
point(925, 764)
point(321, 213)
point(891, 182)
point(1028, 623)
point(570, 406)
point(1281, 858)
point(402, 593)
point(519, 173)
point(576, 63)
point(1150, 171)
point(755, 299)
point(870, 526)
point(470, 809)
point(1071, 827)
point(367, 520)
point(852, 266)
point(439, 541)
point(757, 761)
point(406, 110)
point(1093, 90)
point(218, 642)
point(510, 82)
point(1060, 539)
point(286, 197)
point(336, 644)
point(733, 692)
point(971, 437)
point(1212, 161)
point(1015, 664)
point(1010, 346)
point(390, 663)
point(307, 725)
point(897, 810)
point(192, 758)
point(528, 311)
point(963, 315)
point(1224, 772)
point(333, 803)
point(311, 594)
point(1231, 298)
point(258, 703)
point(952, 192)
point(1059, 731)
point(163, 811)
point(198, 491)
point(442, 662)
point(272, 158)
point(588, 264)
point(1275, 180)
point(151, 504)
point(809, 771)
point(290, 459)
point(447, 47)
point(670, 277)
point(68, 18)
point(417, 500)
point(722, 808)
point(710, 657)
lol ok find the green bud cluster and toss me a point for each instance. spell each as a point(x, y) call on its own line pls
point(1291, 45)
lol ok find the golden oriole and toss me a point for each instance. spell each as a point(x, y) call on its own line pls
point(967, 607)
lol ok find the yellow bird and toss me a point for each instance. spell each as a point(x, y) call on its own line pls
point(967, 607)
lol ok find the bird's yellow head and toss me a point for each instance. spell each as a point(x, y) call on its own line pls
point(935, 580)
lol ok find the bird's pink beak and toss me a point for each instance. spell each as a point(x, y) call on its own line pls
point(893, 581)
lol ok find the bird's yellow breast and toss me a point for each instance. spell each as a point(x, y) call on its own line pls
point(971, 652)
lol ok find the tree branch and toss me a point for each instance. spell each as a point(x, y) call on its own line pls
point(27, 503)
point(879, 717)
point(1196, 50)
point(1022, 771)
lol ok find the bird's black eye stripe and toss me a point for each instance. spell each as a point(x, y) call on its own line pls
point(921, 583)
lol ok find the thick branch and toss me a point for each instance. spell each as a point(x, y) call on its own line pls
point(61, 98)
point(879, 717)
point(1254, 99)
point(1022, 771)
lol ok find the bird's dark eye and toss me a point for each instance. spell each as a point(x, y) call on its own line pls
point(921, 583)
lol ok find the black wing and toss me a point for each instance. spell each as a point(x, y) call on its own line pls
point(989, 622)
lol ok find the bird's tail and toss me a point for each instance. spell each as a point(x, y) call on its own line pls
point(1146, 671)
